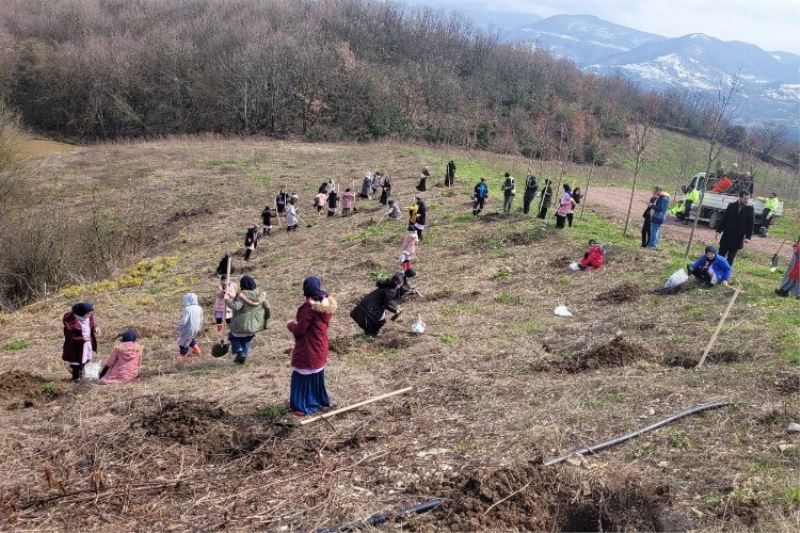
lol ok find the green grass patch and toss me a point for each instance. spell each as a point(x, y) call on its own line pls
point(49, 389)
point(274, 411)
point(17, 345)
point(372, 231)
point(449, 340)
point(507, 298)
point(460, 309)
point(379, 275)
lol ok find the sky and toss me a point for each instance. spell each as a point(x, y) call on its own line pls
point(773, 25)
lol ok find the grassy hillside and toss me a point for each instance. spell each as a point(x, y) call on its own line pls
point(499, 381)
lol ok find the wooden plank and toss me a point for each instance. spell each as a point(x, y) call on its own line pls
point(305, 421)
point(719, 328)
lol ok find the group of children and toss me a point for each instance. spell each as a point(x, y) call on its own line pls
point(566, 205)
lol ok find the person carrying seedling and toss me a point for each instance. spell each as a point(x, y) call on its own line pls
point(225, 290)
point(546, 198)
point(348, 202)
point(307, 394)
point(408, 248)
point(123, 364)
point(266, 219)
point(771, 205)
point(509, 191)
point(480, 194)
point(250, 242)
point(530, 193)
point(370, 313)
point(80, 338)
point(280, 201)
point(189, 327)
point(593, 258)
point(251, 312)
point(450, 174)
point(711, 268)
point(413, 210)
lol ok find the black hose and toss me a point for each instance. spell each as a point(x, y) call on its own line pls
point(627, 436)
point(381, 518)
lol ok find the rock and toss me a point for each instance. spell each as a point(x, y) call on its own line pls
point(793, 427)
point(786, 447)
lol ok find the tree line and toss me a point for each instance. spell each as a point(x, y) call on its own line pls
point(324, 70)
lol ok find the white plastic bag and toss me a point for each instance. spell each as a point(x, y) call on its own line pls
point(91, 371)
point(562, 310)
point(418, 327)
point(574, 266)
point(678, 278)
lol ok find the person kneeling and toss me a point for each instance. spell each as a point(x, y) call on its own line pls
point(593, 258)
point(123, 365)
point(711, 268)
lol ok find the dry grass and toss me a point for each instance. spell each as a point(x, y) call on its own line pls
point(185, 445)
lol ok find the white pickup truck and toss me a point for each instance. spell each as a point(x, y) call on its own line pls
point(715, 203)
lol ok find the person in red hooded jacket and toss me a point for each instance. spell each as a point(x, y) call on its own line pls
point(307, 394)
point(593, 258)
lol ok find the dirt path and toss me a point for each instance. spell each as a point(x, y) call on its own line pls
point(616, 201)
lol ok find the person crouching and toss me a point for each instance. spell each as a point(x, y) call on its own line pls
point(307, 394)
point(370, 313)
point(123, 364)
point(189, 327)
point(711, 268)
point(593, 258)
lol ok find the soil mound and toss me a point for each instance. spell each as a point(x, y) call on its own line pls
point(788, 385)
point(21, 389)
point(684, 287)
point(715, 358)
point(192, 422)
point(491, 217)
point(626, 292)
point(538, 498)
point(562, 261)
point(341, 345)
point(618, 352)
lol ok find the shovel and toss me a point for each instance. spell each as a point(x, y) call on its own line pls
point(774, 262)
point(221, 348)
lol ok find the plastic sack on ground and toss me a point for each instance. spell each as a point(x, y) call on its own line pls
point(91, 371)
point(678, 278)
point(562, 310)
point(574, 266)
point(418, 327)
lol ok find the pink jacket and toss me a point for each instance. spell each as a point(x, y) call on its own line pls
point(123, 365)
point(409, 244)
point(348, 199)
point(566, 207)
point(219, 299)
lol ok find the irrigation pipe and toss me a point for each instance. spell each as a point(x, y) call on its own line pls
point(628, 436)
point(381, 518)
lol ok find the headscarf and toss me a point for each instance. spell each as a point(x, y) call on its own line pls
point(312, 288)
point(247, 283)
point(711, 250)
point(82, 309)
point(129, 336)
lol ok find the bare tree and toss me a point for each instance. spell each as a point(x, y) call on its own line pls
point(721, 108)
point(641, 135)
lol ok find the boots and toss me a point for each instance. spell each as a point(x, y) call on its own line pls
point(196, 350)
point(781, 292)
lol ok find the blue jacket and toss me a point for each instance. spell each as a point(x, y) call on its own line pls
point(719, 265)
point(659, 212)
point(481, 190)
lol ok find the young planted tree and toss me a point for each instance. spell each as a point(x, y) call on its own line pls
point(642, 129)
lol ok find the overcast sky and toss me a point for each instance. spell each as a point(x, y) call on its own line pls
point(773, 25)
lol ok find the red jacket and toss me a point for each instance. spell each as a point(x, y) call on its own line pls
point(310, 331)
point(73, 338)
point(794, 273)
point(593, 258)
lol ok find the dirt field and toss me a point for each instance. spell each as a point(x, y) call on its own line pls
point(500, 383)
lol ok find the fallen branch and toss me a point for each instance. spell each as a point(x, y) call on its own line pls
point(719, 328)
point(623, 438)
point(354, 406)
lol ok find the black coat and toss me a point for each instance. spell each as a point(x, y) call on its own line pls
point(421, 213)
point(371, 308)
point(736, 226)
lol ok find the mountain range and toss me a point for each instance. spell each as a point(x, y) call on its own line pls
point(697, 63)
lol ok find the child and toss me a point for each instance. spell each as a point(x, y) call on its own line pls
point(366, 187)
point(123, 365)
point(408, 248)
point(422, 185)
point(310, 355)
point(790, 284)
point(266, 218)
point(225, 289)
point(394, 211)
point(593, 258)
point(250, 314)
point(387, 190)
point(319, 202)
point(711, 268)
point(80, 338)
point(189, 327)
point(333, 201)
point(280, 201)
point(291, 215)
point(647, 216)
point(348, 200)
point(250, 242)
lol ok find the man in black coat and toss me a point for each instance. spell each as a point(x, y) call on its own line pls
point(736, 227)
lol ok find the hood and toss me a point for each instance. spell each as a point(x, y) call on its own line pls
point(327, 306)
point(189, 299)
point(129, 350)
point(252, 297)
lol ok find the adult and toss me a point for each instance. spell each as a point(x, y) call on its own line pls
point(123, 364)
point(386, 191)
point(366, 187)
point(647, 216)
point(370, 313)
point(250, 242)
point(577, 195)
point(422, 214)
point(80, 338)
point(530, 193)
point(658, 214)
point(307, 394)
point(281, 200)
point(736, 227)
point(480, 194)
point(546, 198)
point(291, 215)
point(250, 315)
point(422, 184)
point(509, 191)
point(771, 205)
point(450, 174)
point(692, 197)
point(790, 284)
point(566, 207)
point(222, 267)
point(711, 268)
point(377, 179)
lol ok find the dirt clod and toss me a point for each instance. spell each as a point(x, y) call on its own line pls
point(618, 352)
point(194, 422)
point(625, 292)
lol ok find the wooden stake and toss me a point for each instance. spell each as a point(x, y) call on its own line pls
point(354, 406)
point(719, 328)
